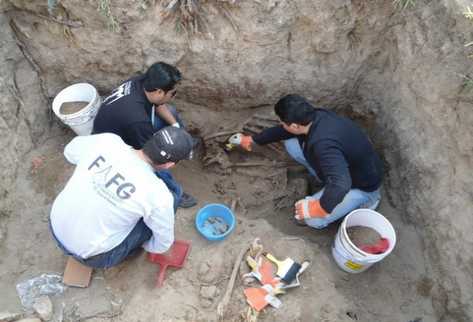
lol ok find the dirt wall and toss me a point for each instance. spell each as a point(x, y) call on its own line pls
point(21, 123)
point(402, 70)
point(425, 119)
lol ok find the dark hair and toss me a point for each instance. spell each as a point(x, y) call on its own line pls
point(294, 109)
point(161, 76)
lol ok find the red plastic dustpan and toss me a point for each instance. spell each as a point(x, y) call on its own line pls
point(380, 247)
point(175, 256)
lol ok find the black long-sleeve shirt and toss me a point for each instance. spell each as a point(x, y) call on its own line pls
point(338, 151)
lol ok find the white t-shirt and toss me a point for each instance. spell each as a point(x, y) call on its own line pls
point(110, 190)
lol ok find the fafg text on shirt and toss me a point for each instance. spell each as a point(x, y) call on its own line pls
point(108, 183)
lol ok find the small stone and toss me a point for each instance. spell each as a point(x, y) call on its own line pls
point(190, 315)
point(43, 307)
point(211, 269)
point(209, 292)
point(30, 320)
point(204, 268)
point(205, 303)
point(9, 316)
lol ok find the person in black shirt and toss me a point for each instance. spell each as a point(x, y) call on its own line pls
point(138, 108)
point(334, 150)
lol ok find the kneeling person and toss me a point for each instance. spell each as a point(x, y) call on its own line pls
point(113, 203)
point(334, 150)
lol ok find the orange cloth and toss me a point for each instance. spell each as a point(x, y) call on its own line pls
point(246, 142)
point(308, 208)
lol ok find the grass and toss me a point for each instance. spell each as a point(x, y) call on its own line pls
point(51, 5)
point(467, 82)
point(104, 8)
point(468, 13)
point(189, 16)
point(403, 4)
point(144, 5)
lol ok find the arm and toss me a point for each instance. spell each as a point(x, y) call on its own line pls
point(163, 112)
point(334, 168)
point(161, 222)
point(272, 134)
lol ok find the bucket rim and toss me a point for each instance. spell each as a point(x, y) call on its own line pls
point(343, 227)
point(86, 108)
point(199, 215)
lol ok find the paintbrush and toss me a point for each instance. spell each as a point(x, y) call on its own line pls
point(287, 269)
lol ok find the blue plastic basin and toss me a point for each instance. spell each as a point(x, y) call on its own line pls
point(223, 213)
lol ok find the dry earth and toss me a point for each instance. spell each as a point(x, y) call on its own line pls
point(405, 75)
point(397, 289)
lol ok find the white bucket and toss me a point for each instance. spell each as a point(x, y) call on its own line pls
point(82, 121)
point(349, 257)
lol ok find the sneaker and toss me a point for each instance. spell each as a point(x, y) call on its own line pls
point(187, 201)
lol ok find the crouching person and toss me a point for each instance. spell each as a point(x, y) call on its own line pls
point(334, 150)
point(114, 203)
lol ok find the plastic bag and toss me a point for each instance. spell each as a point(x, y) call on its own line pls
point(45, 284)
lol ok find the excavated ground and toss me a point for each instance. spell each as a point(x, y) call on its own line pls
point(397, 289)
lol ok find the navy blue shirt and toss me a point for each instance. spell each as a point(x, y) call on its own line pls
point(127, 113)
point(339, 152)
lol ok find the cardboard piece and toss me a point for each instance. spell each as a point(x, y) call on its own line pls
point(77, 274)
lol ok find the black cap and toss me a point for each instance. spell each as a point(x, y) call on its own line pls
point(170, 144)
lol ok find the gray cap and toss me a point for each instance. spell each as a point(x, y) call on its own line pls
point(170, 144)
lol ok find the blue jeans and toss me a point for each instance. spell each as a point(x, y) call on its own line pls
point(159, 123)
point(118, 254)
point(354, 199)
point(174, 187)
point(166, 175)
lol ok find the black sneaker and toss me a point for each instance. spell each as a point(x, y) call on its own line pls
point(187, 201)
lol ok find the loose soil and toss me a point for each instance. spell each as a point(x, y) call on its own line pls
point(72, 107)
point(127, 292)
point(361, 235)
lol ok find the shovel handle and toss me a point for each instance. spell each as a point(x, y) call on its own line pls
point(161, 275)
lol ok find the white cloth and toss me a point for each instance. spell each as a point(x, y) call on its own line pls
point(110, 190)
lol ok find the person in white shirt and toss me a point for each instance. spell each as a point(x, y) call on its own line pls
point(113, 204)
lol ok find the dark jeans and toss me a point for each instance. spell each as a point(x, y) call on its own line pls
point(118, 254)
point(166, 175)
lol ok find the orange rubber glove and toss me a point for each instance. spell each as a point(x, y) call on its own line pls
point(309, 208)
point(245, 141)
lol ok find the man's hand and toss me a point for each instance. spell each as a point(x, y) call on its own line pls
point(309, 208)
point(245, 141)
